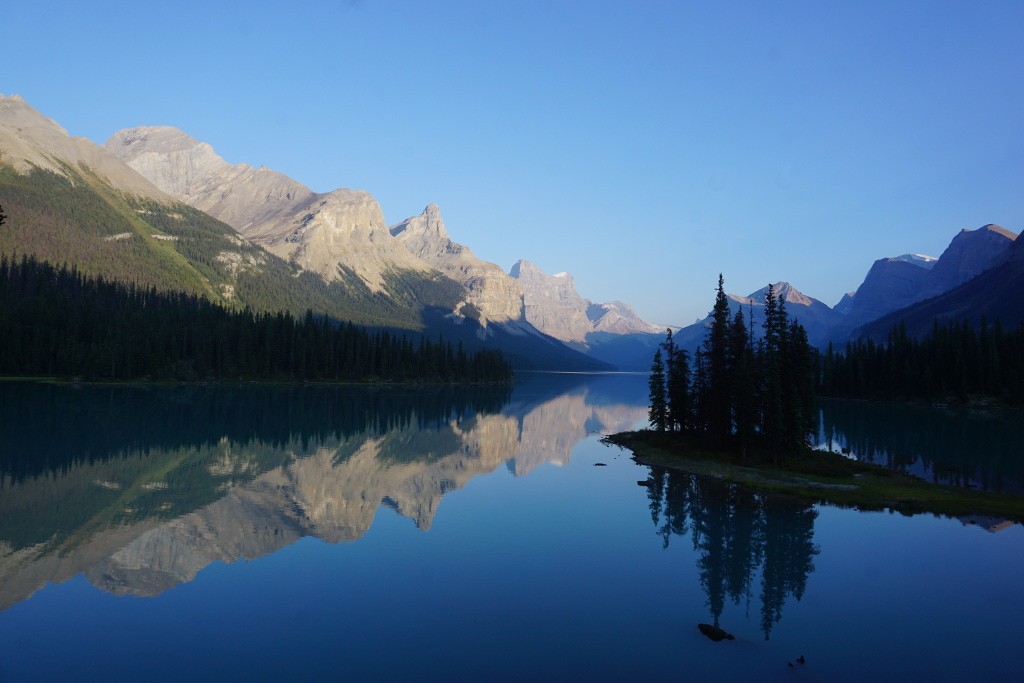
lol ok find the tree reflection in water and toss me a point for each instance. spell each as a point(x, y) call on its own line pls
point(737, 533)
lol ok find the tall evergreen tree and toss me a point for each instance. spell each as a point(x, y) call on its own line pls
point(744, 400)
point(719, 372)
point(770, 362)
point(679, 402)
point(657, 414)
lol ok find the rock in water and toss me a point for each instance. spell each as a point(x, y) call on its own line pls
point(714, 633)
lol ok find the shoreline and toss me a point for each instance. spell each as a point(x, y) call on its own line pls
point(823, 477)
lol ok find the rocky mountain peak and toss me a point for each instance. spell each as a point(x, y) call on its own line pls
point(30, 140)
point(317, 232)
point(782, 290)
point(969, 254)
point(142, 139)
point(616, 317)
point(427, 227)
point(491, 295)
point(16, 112)
point(174, 161)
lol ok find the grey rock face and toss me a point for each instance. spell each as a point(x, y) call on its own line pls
point(553, 305)
point(28, 139)
point(491, 294)
point(318, 232)
point(969, 254)
point(616, 317)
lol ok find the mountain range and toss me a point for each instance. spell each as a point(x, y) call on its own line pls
point(156, 207)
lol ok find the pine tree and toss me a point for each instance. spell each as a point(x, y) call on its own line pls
point(744, 401)
point(657, 414)
point(719, 373)
point(770, 363)
point(678, 385)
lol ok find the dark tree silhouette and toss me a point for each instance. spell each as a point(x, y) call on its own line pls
point(737, 532)
point(741, 397)
point(657, 414)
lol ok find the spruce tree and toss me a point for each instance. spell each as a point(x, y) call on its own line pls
point(657, 413)
point(716, 348)
point(770, 362)
point(678, 386)
point(744, 402)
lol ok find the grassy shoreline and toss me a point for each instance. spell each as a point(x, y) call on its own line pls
point(822, 477)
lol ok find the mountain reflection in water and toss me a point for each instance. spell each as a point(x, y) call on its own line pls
point(141, 488)
point(737, 533)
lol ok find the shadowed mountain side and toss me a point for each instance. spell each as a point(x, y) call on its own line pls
point(896, 283)
point(891, 283)
point(522, 344)
point(627, 352)
point(997, 293)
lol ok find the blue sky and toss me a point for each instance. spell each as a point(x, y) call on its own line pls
point(642, 146)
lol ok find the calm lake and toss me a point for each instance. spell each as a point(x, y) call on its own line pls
point(406, 534)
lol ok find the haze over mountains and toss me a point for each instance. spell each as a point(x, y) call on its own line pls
point(159, 208)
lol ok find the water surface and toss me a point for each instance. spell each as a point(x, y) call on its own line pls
point(316, 533)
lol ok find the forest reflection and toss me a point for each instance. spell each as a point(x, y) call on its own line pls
point(140, 488)
point(741, 536)
point(956, 446)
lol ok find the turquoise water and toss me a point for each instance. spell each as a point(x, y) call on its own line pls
point(328, 534)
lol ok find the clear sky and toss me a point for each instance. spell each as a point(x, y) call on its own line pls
point(642, 146)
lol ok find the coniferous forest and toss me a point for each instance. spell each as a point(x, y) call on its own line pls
point(57, 322)
point(954, 362)
point(737, 393)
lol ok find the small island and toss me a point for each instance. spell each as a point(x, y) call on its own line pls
point(744, 413)
point(820, 476)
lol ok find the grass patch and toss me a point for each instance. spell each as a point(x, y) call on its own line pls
point(820, 476)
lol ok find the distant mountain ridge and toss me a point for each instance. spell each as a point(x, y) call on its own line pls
point(816, 317)
point(147, 207)
point(895, 283)
point(610, 332)
point(555, 307)
point(996, 293)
